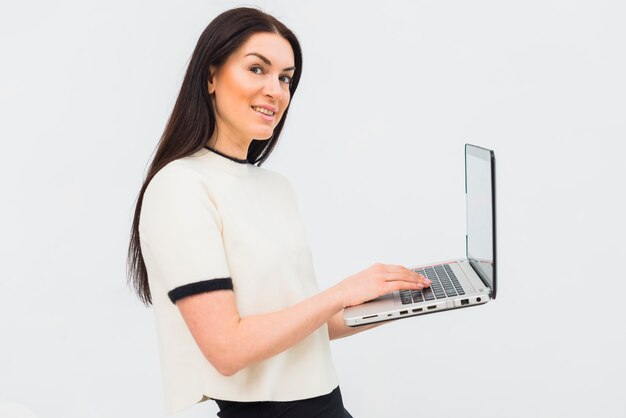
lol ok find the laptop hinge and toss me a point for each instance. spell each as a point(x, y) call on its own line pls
point(480, 275)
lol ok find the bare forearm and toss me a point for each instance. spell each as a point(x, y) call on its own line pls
point(259, 337)
point(231, 343)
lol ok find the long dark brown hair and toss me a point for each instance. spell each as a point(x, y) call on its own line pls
point(193, 121)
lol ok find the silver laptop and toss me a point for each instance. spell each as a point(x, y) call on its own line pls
point(461, 283)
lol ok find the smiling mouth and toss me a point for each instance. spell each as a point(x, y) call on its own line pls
point(263, 110)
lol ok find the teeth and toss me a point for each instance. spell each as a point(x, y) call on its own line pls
point(263, 110)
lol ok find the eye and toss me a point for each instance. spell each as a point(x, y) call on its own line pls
point(286, 79)
point(256, 67)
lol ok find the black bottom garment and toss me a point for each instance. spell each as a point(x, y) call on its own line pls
point(325, 406)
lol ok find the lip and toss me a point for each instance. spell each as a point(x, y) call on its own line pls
point(266, 117)
point(268, 107)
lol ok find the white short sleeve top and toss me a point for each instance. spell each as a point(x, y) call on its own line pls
point(208, 222)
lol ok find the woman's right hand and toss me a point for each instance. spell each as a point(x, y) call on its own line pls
point(377, 280)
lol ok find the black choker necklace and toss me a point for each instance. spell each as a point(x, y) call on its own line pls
point(237, 160)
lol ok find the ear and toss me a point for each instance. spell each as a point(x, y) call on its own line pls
point(211, 82)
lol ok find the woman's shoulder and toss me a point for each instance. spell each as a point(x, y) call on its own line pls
point(180, 180)
point(175, 173)
point(177, 190)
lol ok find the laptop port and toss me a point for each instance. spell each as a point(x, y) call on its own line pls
point(404, 312)
point(465, 302)
point(371, 316)
point(478, 299)
point(417, 310)
point(432, 307)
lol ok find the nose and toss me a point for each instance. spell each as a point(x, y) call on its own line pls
point(272, 88)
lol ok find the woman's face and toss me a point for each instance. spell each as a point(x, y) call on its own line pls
point(250, 92)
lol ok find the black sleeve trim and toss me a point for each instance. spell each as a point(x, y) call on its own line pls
point(200, 287)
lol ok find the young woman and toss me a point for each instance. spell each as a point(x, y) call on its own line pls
point(218, 248)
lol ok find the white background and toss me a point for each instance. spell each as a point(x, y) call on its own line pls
point(374, 147)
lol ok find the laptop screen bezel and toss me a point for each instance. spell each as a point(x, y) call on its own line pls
point(480, 152)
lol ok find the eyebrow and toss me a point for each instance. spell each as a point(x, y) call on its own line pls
point(268, 62)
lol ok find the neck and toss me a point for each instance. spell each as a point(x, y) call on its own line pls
point(237, 160)
point(231, 148)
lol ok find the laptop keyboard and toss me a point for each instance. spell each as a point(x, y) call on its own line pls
point(444, 284)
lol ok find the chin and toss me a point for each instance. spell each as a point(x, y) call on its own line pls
point(264, 136)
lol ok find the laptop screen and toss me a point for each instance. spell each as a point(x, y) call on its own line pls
point(480, 195)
